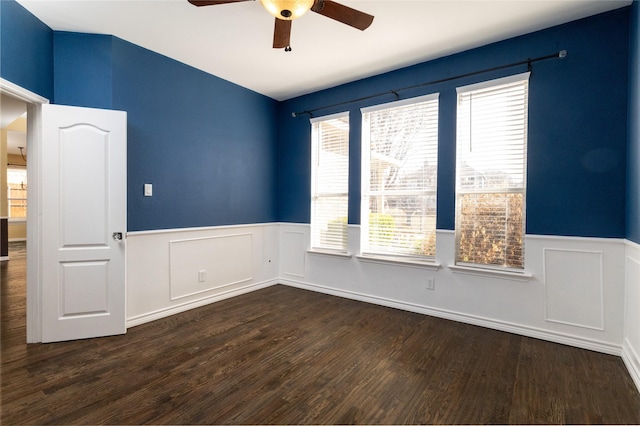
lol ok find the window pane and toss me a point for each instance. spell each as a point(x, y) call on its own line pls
point(402, 224)
point(491, 131)
point(491, 152)
point(490, 229)
point(330, 214)
point(330, 183)
point(399, 178)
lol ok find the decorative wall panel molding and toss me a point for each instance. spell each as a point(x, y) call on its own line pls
point(574, 287)
point(199, 265)
point(294, 246)
point(631, 344)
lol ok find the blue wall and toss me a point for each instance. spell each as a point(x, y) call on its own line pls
point(82, 79)
point(577, 127)
point(207, 146)
point(633, 155)
point(26, 50)
point(221, 154)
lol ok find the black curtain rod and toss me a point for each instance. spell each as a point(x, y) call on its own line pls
point(561, 54)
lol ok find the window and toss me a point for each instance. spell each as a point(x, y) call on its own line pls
point(491, 152)
point(17, 192)
point(329, 182)
point(399, 177)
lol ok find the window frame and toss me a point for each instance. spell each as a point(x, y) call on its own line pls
point(366, 192)
point(314, 244)
point(522, 190)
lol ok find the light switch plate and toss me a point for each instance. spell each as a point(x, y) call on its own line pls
point(148, 190)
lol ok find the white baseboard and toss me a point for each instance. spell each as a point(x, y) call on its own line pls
point(632, 362)
point(564, 339)
point(163, 313)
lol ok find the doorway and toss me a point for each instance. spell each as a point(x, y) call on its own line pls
point(13, 125)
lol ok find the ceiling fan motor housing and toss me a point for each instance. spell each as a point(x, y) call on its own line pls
point(287, 10)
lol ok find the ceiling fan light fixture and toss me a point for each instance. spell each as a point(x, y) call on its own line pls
point(287, 10)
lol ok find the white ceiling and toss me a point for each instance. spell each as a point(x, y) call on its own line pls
point(233, 41)
point(10, 109)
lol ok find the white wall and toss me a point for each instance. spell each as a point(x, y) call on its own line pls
point(631, 342)
point(575, 295)
point(163, 267)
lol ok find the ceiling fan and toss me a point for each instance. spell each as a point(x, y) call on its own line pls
point(287, 10)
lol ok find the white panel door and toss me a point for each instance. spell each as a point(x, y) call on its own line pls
point(83, 222)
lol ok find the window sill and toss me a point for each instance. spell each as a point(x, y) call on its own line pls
point(485, 272)
point(426, 264)
point(17, 220)
point(340, 254)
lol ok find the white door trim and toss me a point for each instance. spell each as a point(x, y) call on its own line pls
point(11, 89)
point(34, 264)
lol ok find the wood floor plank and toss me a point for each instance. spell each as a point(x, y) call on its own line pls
point(287, 356)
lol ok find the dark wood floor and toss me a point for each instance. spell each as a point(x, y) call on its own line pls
point(288, 356)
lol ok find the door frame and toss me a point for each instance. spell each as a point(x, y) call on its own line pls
point(34, 226)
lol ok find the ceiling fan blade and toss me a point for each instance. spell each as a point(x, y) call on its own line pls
point(282, 34)
point(342, 13)
point(213, 2)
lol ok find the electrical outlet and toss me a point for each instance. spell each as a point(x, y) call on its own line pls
point(431, 283)
point(202, 276)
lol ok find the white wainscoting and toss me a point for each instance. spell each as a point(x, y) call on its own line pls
point(566, 272)
point(574, 287)
point(631, 342)
point(164, 267)
point(294, 244)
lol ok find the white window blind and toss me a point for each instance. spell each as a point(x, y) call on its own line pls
point(399, 177)
point(491, 152)
point(330, 182)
